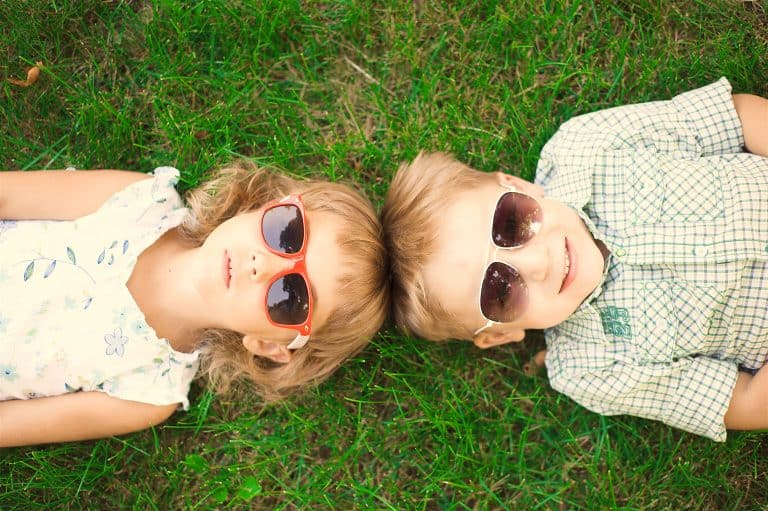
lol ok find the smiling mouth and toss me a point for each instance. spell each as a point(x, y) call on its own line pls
point(568, 260)
point(227, 268)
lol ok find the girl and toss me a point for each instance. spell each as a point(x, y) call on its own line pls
point(107, 313)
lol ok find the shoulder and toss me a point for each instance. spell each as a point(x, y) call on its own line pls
point(147, 201)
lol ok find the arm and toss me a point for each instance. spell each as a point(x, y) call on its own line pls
point(753, 112)
point(748, 408)
point(58, 194)
point(691, 393)
point(700, 122)
point(75, 416)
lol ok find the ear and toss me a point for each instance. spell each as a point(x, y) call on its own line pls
point(267, 349)
point(490, 338)
point(520, 183)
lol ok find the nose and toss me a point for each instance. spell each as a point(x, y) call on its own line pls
point(531, 260)
point(263, 265)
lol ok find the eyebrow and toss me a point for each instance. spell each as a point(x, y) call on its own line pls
point(312, 290)
point(311, 284)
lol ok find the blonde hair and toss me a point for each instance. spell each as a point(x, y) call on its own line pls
point(413, 208)
point(363, 284)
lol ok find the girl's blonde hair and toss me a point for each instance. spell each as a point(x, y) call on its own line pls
point(363, 285)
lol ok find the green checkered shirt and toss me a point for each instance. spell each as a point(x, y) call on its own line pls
point(683, 304)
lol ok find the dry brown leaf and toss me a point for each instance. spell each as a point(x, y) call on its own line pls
point(32, 75)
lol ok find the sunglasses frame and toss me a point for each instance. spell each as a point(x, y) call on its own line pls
point(299, 267)
point(490, 257)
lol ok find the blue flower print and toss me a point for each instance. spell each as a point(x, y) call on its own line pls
point(120, 316)
point(116, 342)
point(111, 385)
point(70, 303)
point(139, 327)
point(7, 225)
point(8, 372)
point(3, 323)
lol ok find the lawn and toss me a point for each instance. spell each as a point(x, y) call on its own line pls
point(349, 89)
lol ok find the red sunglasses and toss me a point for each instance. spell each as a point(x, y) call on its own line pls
point(289, 295)
point(503, 292)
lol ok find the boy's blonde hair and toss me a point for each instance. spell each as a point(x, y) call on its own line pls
point(418, 195)
point(363, 288)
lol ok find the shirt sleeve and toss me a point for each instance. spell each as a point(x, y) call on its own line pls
point(691, 393)
point(711, 115)
point(146, 199)
point(163, 379)
point(142, 211)
point(701, 122)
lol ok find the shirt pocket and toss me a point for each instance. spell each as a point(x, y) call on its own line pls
point(660, 188)
point(674, 321)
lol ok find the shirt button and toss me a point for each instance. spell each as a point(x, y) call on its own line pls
point(700, 251)
point(620, 252)
point(646, 182)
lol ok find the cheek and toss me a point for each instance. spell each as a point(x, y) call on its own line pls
point(545, 312)
point(248, 312)
point(255, 298)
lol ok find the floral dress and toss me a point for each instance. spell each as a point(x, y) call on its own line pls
point(67, 320)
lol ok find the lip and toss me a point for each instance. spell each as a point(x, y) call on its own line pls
point(571, 275)
point(227, 268)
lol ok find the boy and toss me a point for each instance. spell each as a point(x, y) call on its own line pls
point(642, 249)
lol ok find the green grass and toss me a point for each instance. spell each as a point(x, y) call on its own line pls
point(350, 89)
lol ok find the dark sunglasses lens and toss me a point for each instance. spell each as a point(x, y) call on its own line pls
point(517, 219)
point(283, 229)
point(503, 295)
point(288, 300)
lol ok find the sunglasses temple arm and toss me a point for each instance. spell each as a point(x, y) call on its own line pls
point(298, 342)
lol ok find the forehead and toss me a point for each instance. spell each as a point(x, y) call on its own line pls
point(324, 262)
point(454, 270)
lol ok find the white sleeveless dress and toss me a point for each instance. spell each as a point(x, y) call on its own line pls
point(67, 320)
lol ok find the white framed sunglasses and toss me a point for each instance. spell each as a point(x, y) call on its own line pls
point(517, 219)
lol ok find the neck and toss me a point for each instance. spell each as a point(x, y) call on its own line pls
point(169, 303)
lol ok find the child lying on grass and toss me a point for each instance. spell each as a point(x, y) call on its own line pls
point(112, 293)
point(641, 249)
